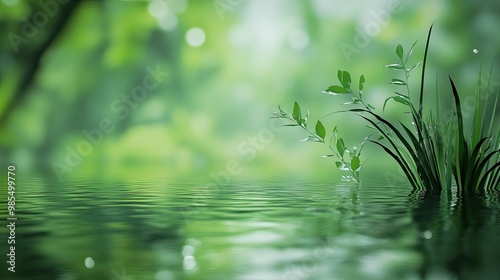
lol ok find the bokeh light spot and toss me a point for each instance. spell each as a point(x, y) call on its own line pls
point(10, 2)
point(298, 39)
point(195, 37)
point(89, 263)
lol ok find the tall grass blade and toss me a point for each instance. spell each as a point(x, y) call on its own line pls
point(424, 64)
point(477, 124)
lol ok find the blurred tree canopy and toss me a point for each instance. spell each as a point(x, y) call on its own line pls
point(182, 88)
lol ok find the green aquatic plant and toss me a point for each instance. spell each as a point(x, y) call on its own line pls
point(347, 159)
point(434, 152)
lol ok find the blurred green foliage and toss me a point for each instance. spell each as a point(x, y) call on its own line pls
point(68, 65)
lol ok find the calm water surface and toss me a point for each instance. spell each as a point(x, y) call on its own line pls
point(256, 231)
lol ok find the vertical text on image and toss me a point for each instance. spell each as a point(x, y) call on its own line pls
point(11, 220)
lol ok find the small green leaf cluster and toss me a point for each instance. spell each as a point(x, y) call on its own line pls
point(402, 66)
point(346, 159)
point(345, 89)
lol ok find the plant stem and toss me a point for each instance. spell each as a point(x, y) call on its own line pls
point(355, 174)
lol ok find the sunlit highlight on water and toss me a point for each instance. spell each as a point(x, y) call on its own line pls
point(89, 263)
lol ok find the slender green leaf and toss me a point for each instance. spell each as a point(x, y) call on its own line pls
point(398, 99)
point(421, 97)
point(493, 113)
point(410, 52)
point(461, 153)
point(402, 164)
point(402, 100)
point(346, 80)
point(355, 163)
point(385, 102)
point(395, 66)
point(411, 69)
point(423, 159)
point(474, 169)
point(334, 90)
point(399, 51)
point(303, 122)
point(494, 168)
point(398, 82)
point(361, 82)
point(371, 127)
point(311, 139)
point(281, 110)
point(400, 137)
point(341, 166)
point(477, 124)
point(341, 147)
point(320, 130)
point(296, 112)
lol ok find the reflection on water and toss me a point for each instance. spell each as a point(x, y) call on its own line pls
point(262, 231)
point(465, 234)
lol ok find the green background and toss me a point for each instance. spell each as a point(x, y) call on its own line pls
point(64, 65)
